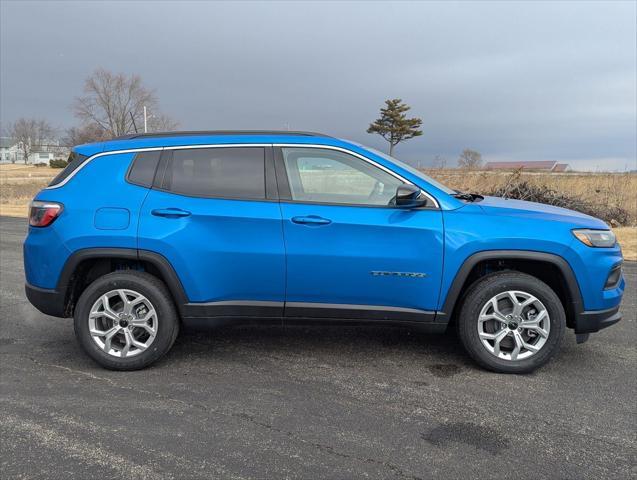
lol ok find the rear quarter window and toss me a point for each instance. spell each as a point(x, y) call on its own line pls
point(75, 160)
point(142, 170)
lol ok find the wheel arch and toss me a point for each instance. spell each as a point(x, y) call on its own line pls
point(85, 265)
point(550, 268)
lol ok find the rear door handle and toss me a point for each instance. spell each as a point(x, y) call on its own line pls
point(170, 212)
point(311, 220)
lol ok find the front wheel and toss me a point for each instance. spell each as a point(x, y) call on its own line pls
point(126, 320)
point(511, 322)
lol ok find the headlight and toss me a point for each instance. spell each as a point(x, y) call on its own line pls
point(595, 238)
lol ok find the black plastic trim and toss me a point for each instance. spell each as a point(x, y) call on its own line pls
point(610, 283)
point(158, 261)
point(236, 308)
point(285, 194)
point(208, 323)
point(462, 274)
point(48, 301)
point(271, 189)
point(207, 133)
point(595, 320)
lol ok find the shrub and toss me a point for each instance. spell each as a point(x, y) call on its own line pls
point(58, 163)
point(41, 164)
point(523, 190)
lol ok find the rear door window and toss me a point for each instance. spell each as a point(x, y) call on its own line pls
point(226, 172)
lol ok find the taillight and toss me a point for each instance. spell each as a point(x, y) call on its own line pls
point(42, 214)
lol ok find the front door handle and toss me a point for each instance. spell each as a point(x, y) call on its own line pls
point(311, 220)
point(170, 212)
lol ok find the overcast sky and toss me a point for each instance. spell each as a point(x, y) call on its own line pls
point(513, 80)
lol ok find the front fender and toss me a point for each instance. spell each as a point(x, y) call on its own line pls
point(471, 237)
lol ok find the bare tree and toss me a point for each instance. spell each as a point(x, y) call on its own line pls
point(31, 133)
point(470, 159)
point(440, 163)
point(88, 133)
point(161, 123)
point(115, 103)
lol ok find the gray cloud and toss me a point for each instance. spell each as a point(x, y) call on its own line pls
point(514, 80)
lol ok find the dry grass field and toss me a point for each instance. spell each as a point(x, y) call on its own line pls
point(19, 183)
point(609, 189)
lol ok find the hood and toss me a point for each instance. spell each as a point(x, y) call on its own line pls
point(538, 211)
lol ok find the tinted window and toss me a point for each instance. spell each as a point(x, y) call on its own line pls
point(329, 176)
point(217, 172)
point(74, 162)
point(143, 170)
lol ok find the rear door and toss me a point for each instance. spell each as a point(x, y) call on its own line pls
point(213, 214)
point(350, 253)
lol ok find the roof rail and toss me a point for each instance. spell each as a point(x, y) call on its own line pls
point(217, 132)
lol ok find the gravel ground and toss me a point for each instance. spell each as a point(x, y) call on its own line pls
point(307, 402)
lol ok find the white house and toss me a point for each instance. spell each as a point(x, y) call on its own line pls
point(11, 152)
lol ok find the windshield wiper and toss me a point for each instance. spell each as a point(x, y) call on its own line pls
point(470, 197)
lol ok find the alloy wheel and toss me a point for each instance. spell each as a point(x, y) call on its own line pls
point(123, 323)
point(514, 325)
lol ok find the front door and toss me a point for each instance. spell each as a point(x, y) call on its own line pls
point(350, 254)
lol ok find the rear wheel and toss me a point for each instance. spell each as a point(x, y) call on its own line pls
point(126, 320)
point(511, 322)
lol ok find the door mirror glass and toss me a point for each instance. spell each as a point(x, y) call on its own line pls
point(410, 196)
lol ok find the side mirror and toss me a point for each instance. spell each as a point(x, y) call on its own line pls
point(409, 196)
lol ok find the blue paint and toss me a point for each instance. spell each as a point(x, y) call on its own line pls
point(252, 250)
point(109, 218)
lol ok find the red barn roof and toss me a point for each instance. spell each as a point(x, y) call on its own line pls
point(535, 165)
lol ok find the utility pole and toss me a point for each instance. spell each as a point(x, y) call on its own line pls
point(145, 121)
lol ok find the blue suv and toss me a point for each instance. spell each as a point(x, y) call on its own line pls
point(142, 233)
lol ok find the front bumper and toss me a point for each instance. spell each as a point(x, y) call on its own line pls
point(49, 302)
point(594, 320)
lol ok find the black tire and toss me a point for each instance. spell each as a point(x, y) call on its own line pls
point(486, 288)
point(150, 287)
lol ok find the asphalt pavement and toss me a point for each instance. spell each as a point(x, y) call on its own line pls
point(308, 403)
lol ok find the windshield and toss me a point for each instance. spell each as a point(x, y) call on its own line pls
point(411, 169)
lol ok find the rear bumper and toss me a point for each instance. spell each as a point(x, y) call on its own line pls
point(49, 302)
point(595, 320)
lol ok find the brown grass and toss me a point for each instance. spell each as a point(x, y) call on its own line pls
point(627, 238)
point(20, 183)
point(608, 189)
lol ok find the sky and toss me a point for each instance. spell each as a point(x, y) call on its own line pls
point(514, 80)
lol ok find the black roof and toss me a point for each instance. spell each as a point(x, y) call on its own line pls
point(218, 132)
